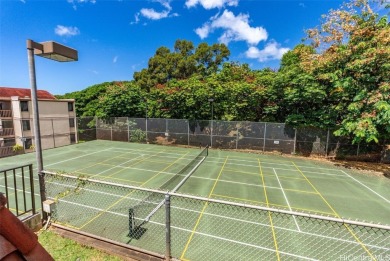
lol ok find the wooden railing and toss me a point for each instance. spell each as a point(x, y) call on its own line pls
point(6, 151)
point(6, 132)
point(5, 113)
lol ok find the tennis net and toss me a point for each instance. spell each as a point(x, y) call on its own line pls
point(147, 207)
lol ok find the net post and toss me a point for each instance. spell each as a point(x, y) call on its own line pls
point(131, 223)
point(167, 227)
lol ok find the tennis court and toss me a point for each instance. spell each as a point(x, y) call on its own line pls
point(200, 227)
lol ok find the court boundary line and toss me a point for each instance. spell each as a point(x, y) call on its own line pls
point(269, 213)
point(270, 162)
point(202, 212)
point(285, 197)
point(337, 215)
point(276, 205)
point(388, 201)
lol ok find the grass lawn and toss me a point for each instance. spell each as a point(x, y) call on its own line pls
point(65, 249)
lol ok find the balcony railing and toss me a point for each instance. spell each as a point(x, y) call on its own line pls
point(6, 132)
point(5, 113)
point(6, 151)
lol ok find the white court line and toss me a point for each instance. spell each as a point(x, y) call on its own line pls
point(290, 170)
point(388, 201)
point(192, 176)
point(269, 162)
point(75, 158)
point(104, 171)
point(285, 197)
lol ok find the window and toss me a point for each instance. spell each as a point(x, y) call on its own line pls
point(72, 138)
point(71, 122)
point(7, 124)
point(24, 105)
point(70, 106)
point(28, 144)
point(26, 125)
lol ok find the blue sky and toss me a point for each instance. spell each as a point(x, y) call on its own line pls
point(116, 38)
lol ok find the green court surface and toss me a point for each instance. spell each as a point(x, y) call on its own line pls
point(281, 182)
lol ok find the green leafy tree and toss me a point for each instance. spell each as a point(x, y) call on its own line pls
point(354, 63)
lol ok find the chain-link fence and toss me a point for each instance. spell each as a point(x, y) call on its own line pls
point(196, 228)
point(263, 136)
point(18, 137)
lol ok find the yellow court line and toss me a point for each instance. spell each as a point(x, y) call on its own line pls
point(201, 213)
point(269, 213)
point(302, 191)
point(128, 194)
point(240, 199)
point(255, 174)
point(110, 176)
point(277, 205)
point(133, 164)
point(337, 215)
point(83, 173)
point(95, 164)
point(265, 160)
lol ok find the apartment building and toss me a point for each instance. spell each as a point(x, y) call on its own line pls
point(57, 121)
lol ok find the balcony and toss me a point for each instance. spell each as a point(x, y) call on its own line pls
point(6, 151)
point(8, 132)
point(5, 114)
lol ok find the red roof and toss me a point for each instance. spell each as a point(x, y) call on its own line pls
point(22, 93)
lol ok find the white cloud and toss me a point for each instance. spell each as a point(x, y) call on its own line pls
point(302, 5)
point(75, 2)
point(115, 59)
point(203, 31)
point(272, 51)
point(210, 4)
point(66, 30)
point(236, 28)
point(152, 14)
point(23, 1)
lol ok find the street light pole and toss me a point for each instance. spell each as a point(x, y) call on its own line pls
point(53, 51)
point(212, 121)
point(37, 129)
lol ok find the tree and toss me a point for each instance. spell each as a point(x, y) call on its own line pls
point(354, 63)
point(182, 63)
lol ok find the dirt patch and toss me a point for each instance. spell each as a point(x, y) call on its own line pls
point(377, 169)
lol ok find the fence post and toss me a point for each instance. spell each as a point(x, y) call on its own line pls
point(146, 128)
point(237, 138)
point(188, 132)
point(327, 144)
point(54, 138)
point(265, 132)
point(167, 227)
point(295, 141)
point(128, 129)
point(31, 176)
point(111, 133)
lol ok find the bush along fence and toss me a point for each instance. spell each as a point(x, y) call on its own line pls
point(239, 135)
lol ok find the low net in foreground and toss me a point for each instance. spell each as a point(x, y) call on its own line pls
point(195, 228)
point(144, 210)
